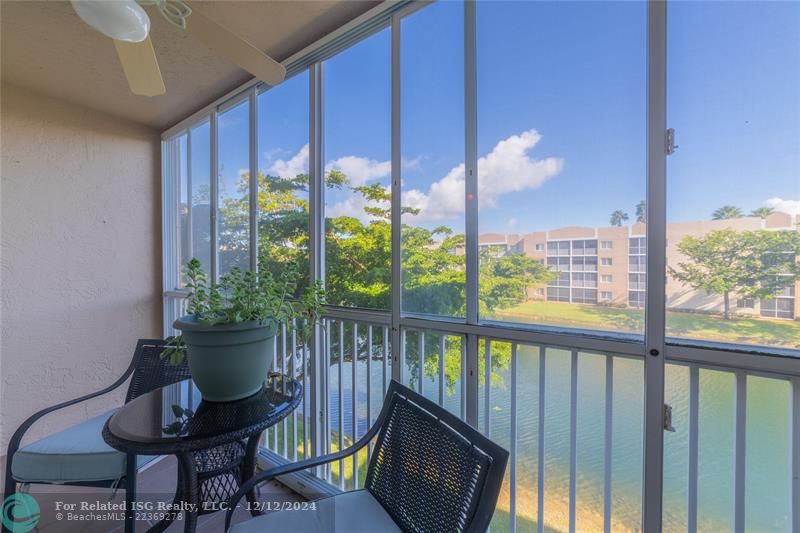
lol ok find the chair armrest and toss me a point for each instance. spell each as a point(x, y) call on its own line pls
point(271, 473)
point(16, 439)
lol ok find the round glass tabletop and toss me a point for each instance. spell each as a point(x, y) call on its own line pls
point(175, 418)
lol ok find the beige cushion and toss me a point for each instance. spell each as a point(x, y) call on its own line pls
point(349, 512)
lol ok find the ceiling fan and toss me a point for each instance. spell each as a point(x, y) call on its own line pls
point(129, 26)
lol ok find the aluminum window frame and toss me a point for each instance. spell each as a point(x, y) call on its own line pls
point(654, 348)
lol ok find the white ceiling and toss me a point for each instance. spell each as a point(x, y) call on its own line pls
point(48, 49)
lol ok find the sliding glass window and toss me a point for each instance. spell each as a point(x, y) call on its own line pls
point(561, 161)
point(733, 238)
point(233, 186)
point(432, 163)
point(357, 146)
point(199, 192)
point(282, 155)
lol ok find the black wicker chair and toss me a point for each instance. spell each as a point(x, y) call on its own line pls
point(429, 471)
point(149, 372)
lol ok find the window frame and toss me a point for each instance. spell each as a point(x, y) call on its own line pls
point(654, 348)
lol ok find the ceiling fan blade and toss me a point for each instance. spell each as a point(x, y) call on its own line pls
point(141, 67)
point(235, 48)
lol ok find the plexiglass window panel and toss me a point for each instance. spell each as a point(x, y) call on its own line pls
point(233, 183)
point(561, 153)
point(734, 182)
point(357, 174)
point(432, 144)
point(181, 168)
point(283, 177)
point(200, 191)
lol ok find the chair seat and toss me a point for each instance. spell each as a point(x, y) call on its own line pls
point(76, 454)
point(349, 512)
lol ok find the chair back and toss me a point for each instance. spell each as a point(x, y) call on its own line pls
point(151, 372)
point(430, 470)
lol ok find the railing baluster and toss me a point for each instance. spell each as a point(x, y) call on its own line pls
point(341, 402)
point(274, 429)
point(540, 459)
point(354, 389)
point(609, 435)
point(573, 438)
point(369, 386)
point(403, 379)
point(294, 376)
point(694, 408)
point(795, 447)
point(442, 351)
point(740, 438)
point(284, 439)
point(306, 401)
point(421, 362)
point(385, 351)
point(328, 429)
point(487, 383)
point(513, 441)
point(464, 377)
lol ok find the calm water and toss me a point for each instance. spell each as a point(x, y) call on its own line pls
point(767, 441)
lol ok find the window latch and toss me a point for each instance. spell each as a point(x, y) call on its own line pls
point(668, 418)
point(671, 146)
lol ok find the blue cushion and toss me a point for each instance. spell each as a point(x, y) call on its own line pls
point(75, 454)
point(350, 512)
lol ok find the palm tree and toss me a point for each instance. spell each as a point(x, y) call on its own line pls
point(727, 211)
point(641, 212)
point(762, 212)
point(618, 217)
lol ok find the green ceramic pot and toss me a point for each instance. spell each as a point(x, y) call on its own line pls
point(228, 362)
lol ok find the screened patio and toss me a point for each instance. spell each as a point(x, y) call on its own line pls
point(574, 226)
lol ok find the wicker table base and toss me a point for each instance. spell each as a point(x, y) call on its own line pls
point(208, 478)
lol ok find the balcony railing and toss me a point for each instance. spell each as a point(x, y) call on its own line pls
point(572, 418)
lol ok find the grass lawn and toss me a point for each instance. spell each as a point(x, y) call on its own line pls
point(763, 331)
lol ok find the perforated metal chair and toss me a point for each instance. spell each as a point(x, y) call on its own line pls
point(429, 471)
point(78, 455)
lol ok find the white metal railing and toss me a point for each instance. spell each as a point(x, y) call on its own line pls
point(571, 416)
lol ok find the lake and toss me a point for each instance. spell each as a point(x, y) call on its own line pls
point(768, 470)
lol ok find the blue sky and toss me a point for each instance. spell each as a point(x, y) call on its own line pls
point(561, 112)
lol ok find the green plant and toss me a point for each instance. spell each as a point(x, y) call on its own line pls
point(248, 296)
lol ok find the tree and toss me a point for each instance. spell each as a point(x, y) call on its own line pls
point(762, 212)
point(618, 217)
point(358, 260)
point(751, 264)
point(727, 211)
point(641, 212)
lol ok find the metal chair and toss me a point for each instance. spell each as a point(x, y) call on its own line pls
point(429, 471)
point(78, 455)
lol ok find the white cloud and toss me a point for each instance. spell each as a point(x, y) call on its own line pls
point(791, 207)
point(353, 206)
point(360, 170)
point(507, 168)
point(290, 168)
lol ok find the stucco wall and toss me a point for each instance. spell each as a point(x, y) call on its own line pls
point(81, 254)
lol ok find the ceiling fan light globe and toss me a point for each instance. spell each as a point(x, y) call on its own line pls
point(122, 20)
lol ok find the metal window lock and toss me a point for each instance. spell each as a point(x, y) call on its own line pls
point(668, 418)
point(670, 144)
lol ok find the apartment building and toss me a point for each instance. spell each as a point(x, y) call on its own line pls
point(608, 265)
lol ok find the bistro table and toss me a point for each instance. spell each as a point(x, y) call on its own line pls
point(215, 442)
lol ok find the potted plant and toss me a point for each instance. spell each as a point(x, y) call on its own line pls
point(228, 332)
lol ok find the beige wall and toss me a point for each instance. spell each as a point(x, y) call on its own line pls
point(81, 254)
